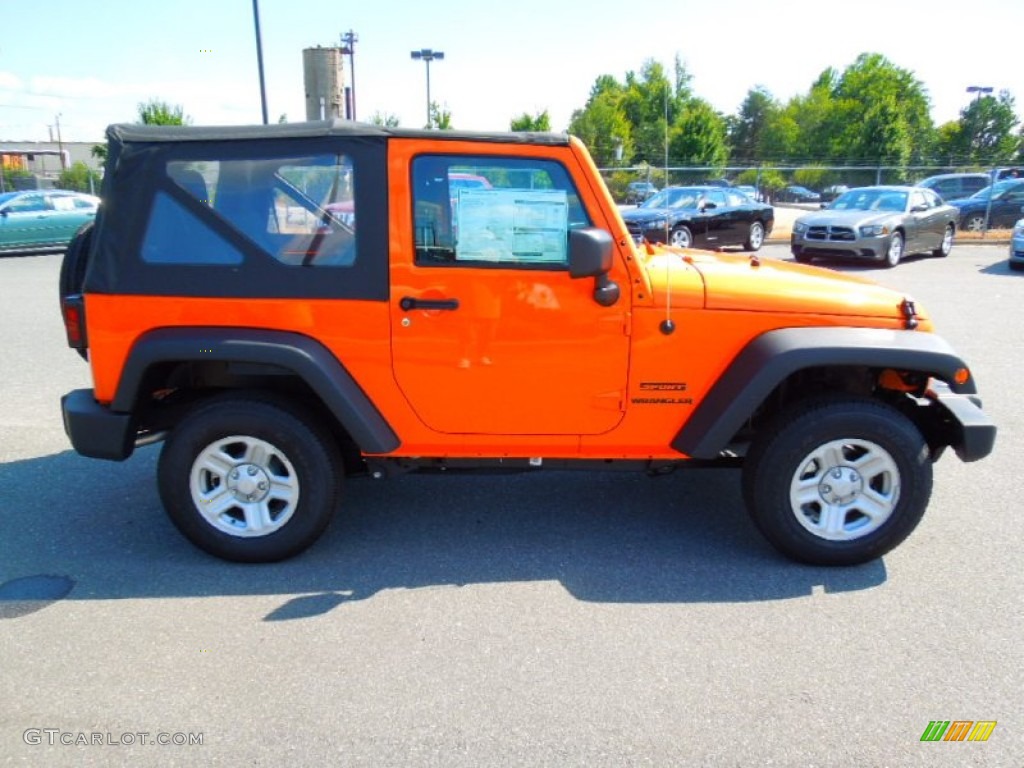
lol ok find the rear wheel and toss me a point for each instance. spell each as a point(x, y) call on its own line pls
point(680, 237)
point(755, 238)
point(947, 243)
point(838, 481)
point(895, 251)
point(249, 479)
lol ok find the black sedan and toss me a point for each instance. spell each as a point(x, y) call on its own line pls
point(703, 217)
point(1007, 200)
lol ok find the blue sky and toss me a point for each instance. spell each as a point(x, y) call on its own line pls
point(93, 62)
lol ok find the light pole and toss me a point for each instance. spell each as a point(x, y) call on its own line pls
point(349, 40)
point(259, 58)
point(980, 90)
point(427, 55)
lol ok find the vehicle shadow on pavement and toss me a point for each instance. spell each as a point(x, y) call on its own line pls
point(96, 531)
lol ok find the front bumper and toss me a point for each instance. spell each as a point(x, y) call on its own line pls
point(873, 248)
point(966, 428)
point(96, 431)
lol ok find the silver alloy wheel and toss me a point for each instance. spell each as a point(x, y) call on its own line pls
point(244, 486)
point(845, 489)
point(680, 238)
point(947, 241)
point(756, 235)
point(976, 223)
point(895, 252)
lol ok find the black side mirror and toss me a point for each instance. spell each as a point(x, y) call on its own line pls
point(590, 252)
point(590, 255)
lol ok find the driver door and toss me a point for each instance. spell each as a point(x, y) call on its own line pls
point(490, 334)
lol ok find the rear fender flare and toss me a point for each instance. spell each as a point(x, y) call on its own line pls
point(305, 357)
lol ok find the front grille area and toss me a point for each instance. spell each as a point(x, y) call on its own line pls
point(832, 234)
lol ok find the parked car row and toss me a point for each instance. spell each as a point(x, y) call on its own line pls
point(38, 219)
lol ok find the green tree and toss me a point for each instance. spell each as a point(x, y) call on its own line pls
point(986, 134)
point(881, 114)
point(698, 137)
point(603, 127)
point(539, 122)
point(156, 112)
point(440, 119)
point(747, 129)
point(78, 178)
point(99, 151)
point(385, 119)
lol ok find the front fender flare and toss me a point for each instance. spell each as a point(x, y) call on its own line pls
point(773, 356)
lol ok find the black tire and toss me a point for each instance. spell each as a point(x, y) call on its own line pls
point(755, 237)
point(76, 259)
point(1017, 266)
point(947, 243)
point(287, 448)
point(681, 237)
point(803, 258)
point(894, 254)
point(853, 431)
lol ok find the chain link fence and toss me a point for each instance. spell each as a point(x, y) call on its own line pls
point(771, 181)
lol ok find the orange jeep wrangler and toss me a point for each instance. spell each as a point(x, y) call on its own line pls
point(285, 306)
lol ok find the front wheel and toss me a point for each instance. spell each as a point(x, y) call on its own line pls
point(755, 237)
point(838, 481)
point(680, 237)
point(249, 479)
point(947, 243)
point(895, 251)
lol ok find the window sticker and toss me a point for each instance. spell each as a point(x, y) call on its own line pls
point(517, 225)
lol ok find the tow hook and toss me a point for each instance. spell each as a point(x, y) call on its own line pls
point(909, 314)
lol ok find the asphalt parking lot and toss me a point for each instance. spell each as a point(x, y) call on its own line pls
point(549, 619)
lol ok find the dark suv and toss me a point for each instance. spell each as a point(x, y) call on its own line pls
point(956, 186)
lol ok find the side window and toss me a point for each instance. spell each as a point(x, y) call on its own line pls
point(484, 210)
point(932, 199)
point(716, 197)
point(299, 210)
point(28, 204)
point(917, 199)
point(948, 188)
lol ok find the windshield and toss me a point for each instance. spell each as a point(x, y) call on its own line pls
point(674, 197)
point(870, 199)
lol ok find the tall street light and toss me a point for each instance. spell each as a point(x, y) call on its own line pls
point(427, 55)
point(259, 58)
point(980, 90)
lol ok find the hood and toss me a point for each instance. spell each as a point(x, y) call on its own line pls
point(731, 282)
point(828, 216)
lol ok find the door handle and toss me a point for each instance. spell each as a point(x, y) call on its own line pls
point(408, 303)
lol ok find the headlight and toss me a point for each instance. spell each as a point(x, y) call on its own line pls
point(874, 230)
point(1018, 229)
point(799, 227)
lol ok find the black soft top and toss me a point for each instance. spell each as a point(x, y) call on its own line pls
point(126, 133)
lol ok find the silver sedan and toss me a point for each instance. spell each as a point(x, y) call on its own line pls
point(877, 223)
